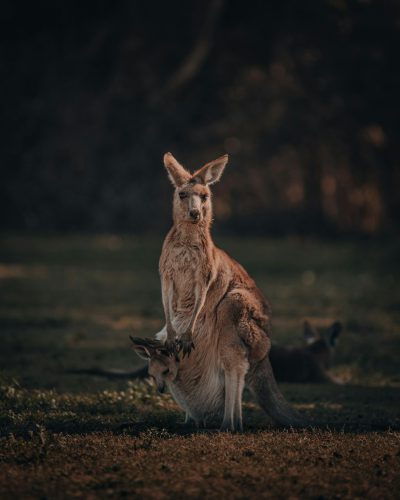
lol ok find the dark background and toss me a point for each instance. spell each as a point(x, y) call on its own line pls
point(303, 95)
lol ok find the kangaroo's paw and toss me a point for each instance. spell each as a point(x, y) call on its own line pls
point(172, 347)
point(185, 344)
point(187, 348)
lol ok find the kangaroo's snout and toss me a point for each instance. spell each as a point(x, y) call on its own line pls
point(161, 387)
point(194, 214)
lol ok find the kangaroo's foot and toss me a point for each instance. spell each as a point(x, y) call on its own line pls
point(239, 425)
point(201, 424)
point(231, 426)
point(227, 426)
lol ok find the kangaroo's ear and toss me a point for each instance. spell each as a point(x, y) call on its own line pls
point(310, 333)
point(211, 172)
point(333, 332)
point(142, 352)
point(141, 349)
point(177, 174)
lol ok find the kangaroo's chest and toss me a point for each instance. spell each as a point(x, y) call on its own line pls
point(183, 259)
point(186, 267)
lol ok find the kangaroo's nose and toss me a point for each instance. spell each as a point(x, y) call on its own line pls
point(194, 214)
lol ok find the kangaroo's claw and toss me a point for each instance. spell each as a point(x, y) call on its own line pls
point(172, 347)
point(185, 345)
point(187, 348)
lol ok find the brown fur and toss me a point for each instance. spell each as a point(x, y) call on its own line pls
point(212, 304)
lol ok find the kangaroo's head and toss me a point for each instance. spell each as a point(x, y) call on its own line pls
point(163, 367)
point(322, 346)
point(192, 197)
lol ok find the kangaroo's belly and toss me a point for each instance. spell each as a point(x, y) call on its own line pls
point(201, 396)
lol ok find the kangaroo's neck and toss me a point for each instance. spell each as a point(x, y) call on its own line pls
point(190, 234)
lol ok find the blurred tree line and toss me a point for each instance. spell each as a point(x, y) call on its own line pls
point(303, 95)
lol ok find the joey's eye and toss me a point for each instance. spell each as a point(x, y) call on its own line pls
point(182, 195)
point(204, 197)
point(166, 371)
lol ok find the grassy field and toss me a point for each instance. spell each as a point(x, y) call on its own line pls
point(71, 302)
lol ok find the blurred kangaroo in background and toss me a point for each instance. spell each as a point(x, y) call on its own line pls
point(310, 363)
point(211, 304)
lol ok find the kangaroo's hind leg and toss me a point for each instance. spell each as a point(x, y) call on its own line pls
point(235, 369)
point(232, 412)
point(242, 337)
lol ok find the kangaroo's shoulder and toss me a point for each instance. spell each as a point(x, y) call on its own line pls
point(239, 276)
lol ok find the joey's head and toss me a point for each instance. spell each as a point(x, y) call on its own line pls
point(163, 367)
point(322, 346)
point(192, 197)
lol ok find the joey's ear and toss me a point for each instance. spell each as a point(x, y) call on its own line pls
point(333, 332)
point(310, 334)
point(141, 349)
point(177, 174)
point(211, 172)
point(142, 352)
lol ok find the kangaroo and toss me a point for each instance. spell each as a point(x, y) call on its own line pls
point(310, 363)
point(198, 386)
point(213, 309)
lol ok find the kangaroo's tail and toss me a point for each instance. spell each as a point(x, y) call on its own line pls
point(112, 373)
point(263, 384)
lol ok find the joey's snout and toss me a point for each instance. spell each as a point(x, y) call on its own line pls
point(161, 387)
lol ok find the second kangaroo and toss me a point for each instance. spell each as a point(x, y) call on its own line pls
point(310, 363)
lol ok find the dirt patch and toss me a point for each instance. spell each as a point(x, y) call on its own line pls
point(159, 465)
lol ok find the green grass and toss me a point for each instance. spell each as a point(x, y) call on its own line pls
point(71, 302)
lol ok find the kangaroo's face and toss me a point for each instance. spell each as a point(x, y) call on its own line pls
point(322, 346)
point(163, 368)
point(192, 197)
point(192, 203)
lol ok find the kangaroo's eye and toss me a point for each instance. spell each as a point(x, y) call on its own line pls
point(204, 197)
point(182, 195)
point(166, 371)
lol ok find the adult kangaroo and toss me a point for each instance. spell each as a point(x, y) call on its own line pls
point(212, 305)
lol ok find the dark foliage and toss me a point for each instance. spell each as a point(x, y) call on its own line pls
point(303, 95)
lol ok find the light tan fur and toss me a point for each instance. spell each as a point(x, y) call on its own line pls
point(212, 304)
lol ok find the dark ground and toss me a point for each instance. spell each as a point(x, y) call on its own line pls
point(70, 302)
